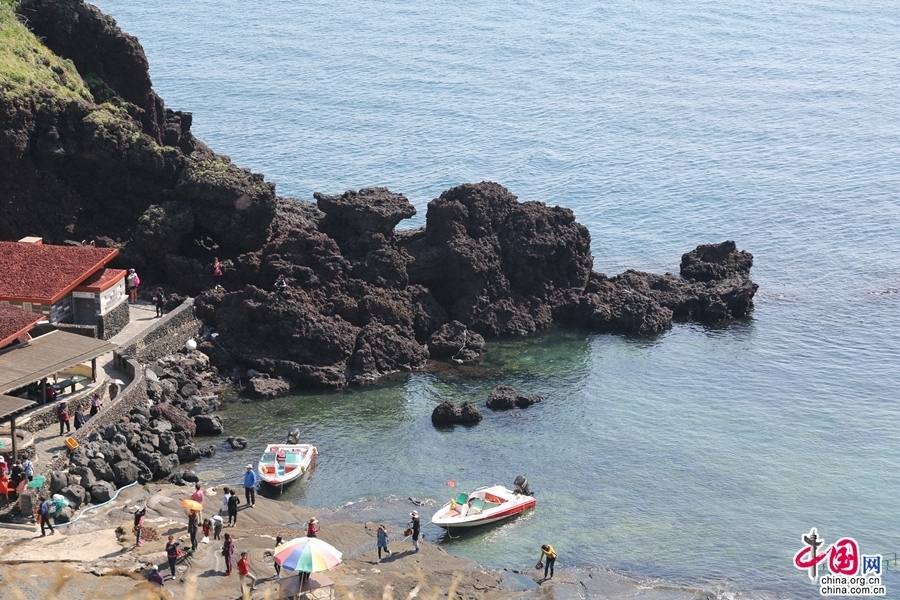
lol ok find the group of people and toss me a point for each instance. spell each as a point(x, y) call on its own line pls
point(14, 479)
point(65, 420)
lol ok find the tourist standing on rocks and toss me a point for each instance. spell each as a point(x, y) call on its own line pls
point(233, 502)
point(62, 413)
point(159, 299)
point(44, 513)
point(192, 528)
point(228, 552)
point(156, 577)
point(218, 269)
point(250, 486)
point(138, 528)
point(96, 403)
point(197, 496)
point(244, 572)
point(172, 553)
point(226, 496)
point(217, 527)
point(133, 282)
point(78, 418)
point(278, 541)
point(382, 541)
point(548, 551)
point(414, 524)
point(312, 528)
point(281, 284)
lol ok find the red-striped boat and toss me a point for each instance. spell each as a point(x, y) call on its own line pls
point(484, 505)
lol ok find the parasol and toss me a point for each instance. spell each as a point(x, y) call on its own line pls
point(311, 555)
point(191, 504)
point(117, 381)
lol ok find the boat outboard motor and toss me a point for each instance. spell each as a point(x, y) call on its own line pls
point(520, 485)
point(294, 436)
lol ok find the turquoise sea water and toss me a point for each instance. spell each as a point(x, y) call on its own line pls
point(699, 456)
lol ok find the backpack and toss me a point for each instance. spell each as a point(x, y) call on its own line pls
point(137, 280)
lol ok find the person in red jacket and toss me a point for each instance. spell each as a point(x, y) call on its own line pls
point(244, 571)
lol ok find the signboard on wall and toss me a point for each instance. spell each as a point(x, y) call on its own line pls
point(88, 295)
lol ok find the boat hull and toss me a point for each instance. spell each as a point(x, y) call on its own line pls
point(482, 507)
point(282, 464)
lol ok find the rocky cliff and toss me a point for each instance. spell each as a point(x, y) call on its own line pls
point(89, 151)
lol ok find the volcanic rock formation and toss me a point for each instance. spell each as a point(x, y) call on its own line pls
point(88, 151)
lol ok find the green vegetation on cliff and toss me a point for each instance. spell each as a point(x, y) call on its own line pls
point(28, 70)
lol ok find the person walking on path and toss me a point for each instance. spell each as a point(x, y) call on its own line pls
point(548, 551)
point(244, 572)
point(250, 486)
point(193, 527)
point(218, 269)
point(233, 502)
point(78, 418)
point(207, 529)
point(44, 512)
point(278, 542)
point(133, 282)
point(382, 541)
point(96, 403)
point(28, 468)
point(312, 528)
point(217, 527)
point(156, 577)
point(414, 523)
point(228, 552)
point(172, 553)
point(113, 390)
point(62, 413)
point(159, 299)
point(138, 528)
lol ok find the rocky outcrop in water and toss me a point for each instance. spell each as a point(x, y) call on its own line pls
point(504, 397)
point(447, 413)
point(90, 152)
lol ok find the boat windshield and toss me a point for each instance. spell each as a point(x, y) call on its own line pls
point(267, 457)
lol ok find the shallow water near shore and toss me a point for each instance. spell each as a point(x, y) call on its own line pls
point(698, 457)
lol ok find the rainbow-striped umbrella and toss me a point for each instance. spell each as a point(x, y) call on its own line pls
point(311, 555)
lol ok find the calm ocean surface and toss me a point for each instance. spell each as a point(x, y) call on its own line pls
point(699, 456)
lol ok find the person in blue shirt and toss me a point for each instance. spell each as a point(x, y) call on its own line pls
point(250, 486)
point(46, 510)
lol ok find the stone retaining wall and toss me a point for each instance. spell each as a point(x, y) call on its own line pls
point(165, 337)
point(113, 321)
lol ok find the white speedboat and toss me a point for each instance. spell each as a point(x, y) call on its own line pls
point(283, 463)
point(485, 505)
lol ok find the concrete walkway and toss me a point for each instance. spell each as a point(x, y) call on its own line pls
point(48, 442)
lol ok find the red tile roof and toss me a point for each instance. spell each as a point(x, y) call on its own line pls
point(15, 321)
point(44, 273)
point(101, 280)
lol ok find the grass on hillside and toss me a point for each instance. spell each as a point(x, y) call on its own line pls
point(28, 69)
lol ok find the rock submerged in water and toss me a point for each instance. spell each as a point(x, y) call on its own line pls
point(504, 397)
point(447, 413)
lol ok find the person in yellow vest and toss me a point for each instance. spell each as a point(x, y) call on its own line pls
point(548, 552)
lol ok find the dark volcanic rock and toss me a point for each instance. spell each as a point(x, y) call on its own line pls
point(237, 443)
point(454, 340)
point(125, 472)
point(716, 261)
point(263, 386)
point(76, 495)
point(209, 425)
point(446, 413)
point(102, 491)
point(374, 210)
point(504, 397)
